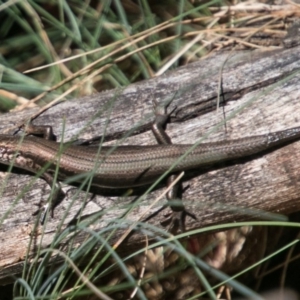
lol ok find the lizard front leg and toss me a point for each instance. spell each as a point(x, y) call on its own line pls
point(46, 132)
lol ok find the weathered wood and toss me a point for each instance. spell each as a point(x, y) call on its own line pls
point(262, 95)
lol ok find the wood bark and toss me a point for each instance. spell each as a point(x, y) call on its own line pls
point(260, 94)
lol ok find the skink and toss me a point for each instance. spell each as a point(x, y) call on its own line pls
point(130, 166)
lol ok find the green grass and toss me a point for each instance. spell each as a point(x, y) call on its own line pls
point(49, 48)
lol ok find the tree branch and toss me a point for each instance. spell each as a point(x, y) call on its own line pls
point(260, 94)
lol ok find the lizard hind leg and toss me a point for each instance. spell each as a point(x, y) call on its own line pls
point(175, 220)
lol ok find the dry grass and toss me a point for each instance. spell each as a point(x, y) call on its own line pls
point(61, 50)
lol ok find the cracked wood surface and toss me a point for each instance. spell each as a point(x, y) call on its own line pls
point(261, 92)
